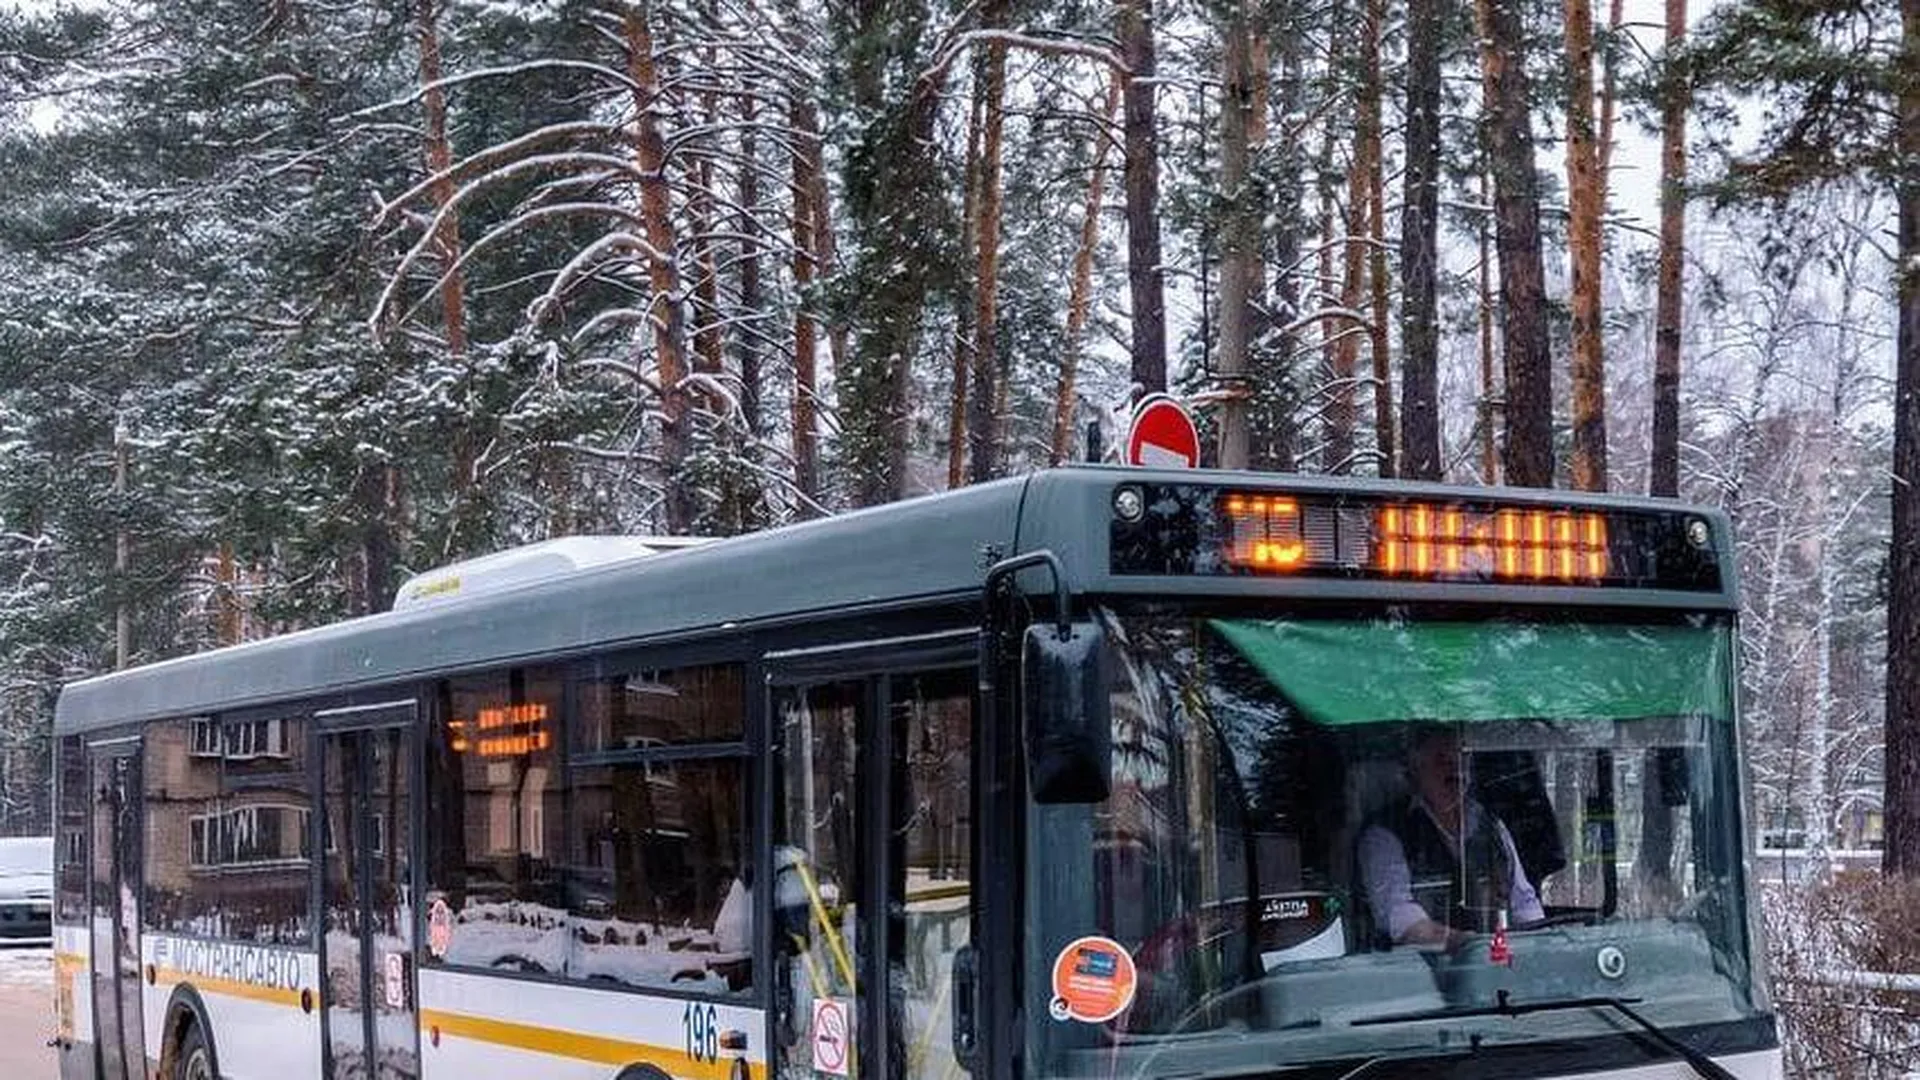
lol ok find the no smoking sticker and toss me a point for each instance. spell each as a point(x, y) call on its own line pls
point(832, 1040)
point(1093, 981)
point(396, 980)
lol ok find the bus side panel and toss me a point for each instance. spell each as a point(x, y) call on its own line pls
point(73, 1000)
point(477, 1026)
point(252, 995)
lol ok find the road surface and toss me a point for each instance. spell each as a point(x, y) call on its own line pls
point(26, 1012)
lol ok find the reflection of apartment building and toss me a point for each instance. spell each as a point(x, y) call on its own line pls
point(227, 818)
point(519, 800)
point(255, 828)
point(635, 837)
point(182, 790)
point(256, 836)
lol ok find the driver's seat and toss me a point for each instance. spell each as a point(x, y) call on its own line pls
point(1372, 786)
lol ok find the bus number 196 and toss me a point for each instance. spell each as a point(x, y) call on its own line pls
point(702, 1027)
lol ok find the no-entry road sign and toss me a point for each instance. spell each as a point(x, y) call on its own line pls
point(1162, 435)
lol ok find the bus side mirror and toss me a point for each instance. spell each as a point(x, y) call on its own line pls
point(1068, 723)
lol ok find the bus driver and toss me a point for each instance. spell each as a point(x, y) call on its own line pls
point(1407, 853)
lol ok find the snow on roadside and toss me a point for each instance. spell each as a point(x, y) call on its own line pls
point(26, 967)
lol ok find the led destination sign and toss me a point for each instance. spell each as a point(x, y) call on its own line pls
point(1191, 529)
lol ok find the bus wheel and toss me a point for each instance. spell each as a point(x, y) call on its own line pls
point(195, 1061)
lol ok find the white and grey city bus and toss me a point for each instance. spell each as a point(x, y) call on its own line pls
point(1094, 773)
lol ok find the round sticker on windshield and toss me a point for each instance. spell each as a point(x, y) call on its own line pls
point(1093, 981)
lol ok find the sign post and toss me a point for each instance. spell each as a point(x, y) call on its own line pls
point(1162, 434)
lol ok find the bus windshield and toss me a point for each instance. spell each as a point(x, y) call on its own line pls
point(1328, 840)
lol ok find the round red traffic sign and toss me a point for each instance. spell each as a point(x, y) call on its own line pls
point(1162, 435)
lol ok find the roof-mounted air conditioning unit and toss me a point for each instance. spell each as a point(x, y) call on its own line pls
point(524, 565)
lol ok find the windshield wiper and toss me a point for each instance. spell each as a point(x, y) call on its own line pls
point(1505, 1006)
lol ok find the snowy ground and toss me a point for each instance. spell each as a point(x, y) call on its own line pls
point(26, 967)
point(26, 1016)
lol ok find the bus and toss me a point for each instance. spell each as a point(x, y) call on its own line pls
point(1098, 772)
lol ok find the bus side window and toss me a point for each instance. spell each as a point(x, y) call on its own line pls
point(184, 886)
point(496, 829)
point(71, 846)
point(261, 831)
point(656, 871)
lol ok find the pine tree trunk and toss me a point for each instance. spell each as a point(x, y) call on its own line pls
point(378, 494)
point(1376, 232)
point(1243, 131)
point(1610, 89)
point(1336, 441)
point(1516, 197)
point(1586, 202)
point(1278, 347)
point(1489, 400)
point(1377, 279)
point(988, 393)
point(810, 189)
point(439, 159)
point(962, 369)
point(826, 245)
point(1080, 294)
point(752, 292)
point(1664, 477)
point(1903, 608)
point(806, 445)
point(709, 343)
point(1419, 249)
point(227, 598)
point(1346, 352)
point(453, 305)
point(666, 311)
point(1146, 279)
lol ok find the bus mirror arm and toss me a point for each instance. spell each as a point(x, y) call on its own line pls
point(1062, 599)
point(966, 1006)
point(1065, 685)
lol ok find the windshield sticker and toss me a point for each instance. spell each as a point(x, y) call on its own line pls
point(1093, 981)
point(439, 928)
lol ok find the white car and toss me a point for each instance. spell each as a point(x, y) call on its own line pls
point(26, 889)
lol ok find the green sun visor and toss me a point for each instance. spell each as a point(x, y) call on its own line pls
point(1343, 673)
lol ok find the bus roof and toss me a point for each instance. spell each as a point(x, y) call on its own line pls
point(919, 550)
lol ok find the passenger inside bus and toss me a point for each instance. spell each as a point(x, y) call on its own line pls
point(1418, 857)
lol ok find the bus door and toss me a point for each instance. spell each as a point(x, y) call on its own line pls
point(872, 861)
point(372, 1028)
point(115, 900)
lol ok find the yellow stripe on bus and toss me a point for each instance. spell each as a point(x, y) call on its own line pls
point(579, 1046)
point(69, 960)
point(272, 995)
